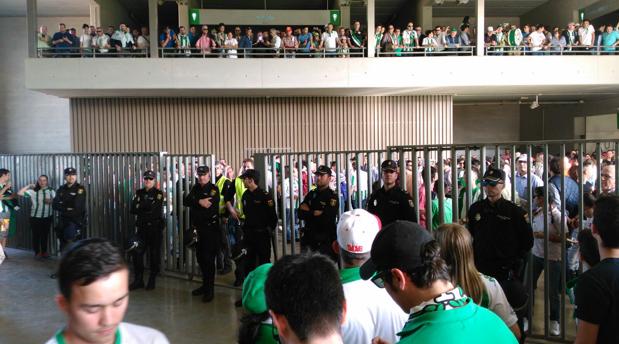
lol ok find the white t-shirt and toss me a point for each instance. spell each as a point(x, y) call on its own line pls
point(143, 42)
point(277, 42)
point(586, 35)
point(497, 301)
point(131, 334)
point(295, 191)
point(85, 40)
point(537, 39)
point(329, 40)
point(370, 312)
point(101, 42)
point(231, 42)
point(554, 227)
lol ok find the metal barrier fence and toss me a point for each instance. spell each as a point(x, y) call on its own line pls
point(91, 52)
point(260, 52)
point(455, 187)
point(430, 50)
point(549, 50)
point(110, 180)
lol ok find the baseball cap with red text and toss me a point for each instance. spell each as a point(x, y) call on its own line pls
point(356, 231)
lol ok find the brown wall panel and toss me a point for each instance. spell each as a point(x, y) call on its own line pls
point(232, 128)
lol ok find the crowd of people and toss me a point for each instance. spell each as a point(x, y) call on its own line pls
point(399, 280)
point(329, 41)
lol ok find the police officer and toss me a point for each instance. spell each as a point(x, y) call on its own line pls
point(70, 202)
point(260, 221)
point(502, 237)
point(224, 186)
point(203, 201)
point(319, 210)
point(390, 202)
point(147, 204)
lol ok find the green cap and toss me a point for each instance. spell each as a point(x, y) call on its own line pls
point(254, 300)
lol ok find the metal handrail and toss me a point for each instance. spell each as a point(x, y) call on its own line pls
point(500, 50)
point(91, 52)
point(259, 52)
point(464, 50)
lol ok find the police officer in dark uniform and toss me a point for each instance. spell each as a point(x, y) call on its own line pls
point(147, 204)
point(70, 202)
point(260, 221)
point(319, 210)
point(502, 237)
point(390, 202)
point(203, 201)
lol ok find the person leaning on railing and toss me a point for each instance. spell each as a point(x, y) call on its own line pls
point(101, 41)
point(61, 41)
point(610, 39)
point(205, 43)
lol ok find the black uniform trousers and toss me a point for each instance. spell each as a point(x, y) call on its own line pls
point(151, 234)
point(257, 241)
point(207, 249)
point(40, 233)
point(224, 260)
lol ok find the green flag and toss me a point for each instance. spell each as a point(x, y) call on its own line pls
point(194, 16)
point(335, 18)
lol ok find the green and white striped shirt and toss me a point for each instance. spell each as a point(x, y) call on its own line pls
point(4, 208)
point(39, 208)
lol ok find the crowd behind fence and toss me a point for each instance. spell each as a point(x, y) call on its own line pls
point(329, 41)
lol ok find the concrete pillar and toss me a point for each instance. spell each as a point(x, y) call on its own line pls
point(183, 15)
point(95, 14)
point(153, 28)
point(344, 7)
point(424, 17)
point(371, 14)
point(31, 13)
point(480, 9)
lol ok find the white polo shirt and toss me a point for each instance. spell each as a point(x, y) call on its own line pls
point(370, 311)
point(125, 334)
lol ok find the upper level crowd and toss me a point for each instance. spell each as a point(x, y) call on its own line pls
point(329, 41)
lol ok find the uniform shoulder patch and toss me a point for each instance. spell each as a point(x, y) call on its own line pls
point(159, 196)
point(477, 217)
point(213, 192)
point(80, 191)
point(411, 204)
point(270, 202)
point(333, 202)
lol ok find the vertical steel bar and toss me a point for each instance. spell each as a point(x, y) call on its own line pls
point(441, 186)
point(455, 215)
point(427, 188)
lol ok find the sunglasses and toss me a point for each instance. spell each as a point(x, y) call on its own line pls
point(149, 178)
point(379, 279)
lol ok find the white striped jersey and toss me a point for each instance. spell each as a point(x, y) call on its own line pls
point(39, 208)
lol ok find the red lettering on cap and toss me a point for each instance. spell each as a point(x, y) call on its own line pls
point(354, 248)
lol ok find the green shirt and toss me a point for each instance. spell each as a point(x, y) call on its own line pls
point(454, 318)
point(60, 337)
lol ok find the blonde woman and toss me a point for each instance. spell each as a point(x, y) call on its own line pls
point(457, 250)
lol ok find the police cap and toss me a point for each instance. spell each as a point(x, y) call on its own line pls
point(322, 169)
point(149, 175)
point(389, 165)
point(494, 175)
point(70, 171)
point(202, 170)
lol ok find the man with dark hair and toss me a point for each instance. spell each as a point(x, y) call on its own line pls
point(294, 287)
point(70, 202)
point(597, 291)
point(260, 221)
point(390, 202)
point(371, 312)
point(406, 261)
point(147, 204)
point(203, 202)
point(93, 280)
point(319, 210)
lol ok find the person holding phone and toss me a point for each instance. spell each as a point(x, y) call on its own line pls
point(41, 196)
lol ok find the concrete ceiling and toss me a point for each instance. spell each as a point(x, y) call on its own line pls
point(46, 8)
point(494, 8)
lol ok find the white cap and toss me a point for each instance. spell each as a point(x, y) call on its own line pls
point(490, 28)
point(522, 157)
point(356, 231)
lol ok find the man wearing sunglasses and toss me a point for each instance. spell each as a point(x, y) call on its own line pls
point(502, 237)
point(407, 262)
point(147, 204)
point(390, 202)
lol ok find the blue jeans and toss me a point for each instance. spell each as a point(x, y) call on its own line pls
point(554, 283)
point(287, 225)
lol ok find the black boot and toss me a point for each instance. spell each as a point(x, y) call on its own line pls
point(151, 282)
point(198, 291)
point(137, 284)
point(208, 296)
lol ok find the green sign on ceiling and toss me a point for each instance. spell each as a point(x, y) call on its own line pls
point(194, 16)
point(335, 18)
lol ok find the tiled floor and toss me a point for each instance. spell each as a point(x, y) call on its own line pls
point(28, 313)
